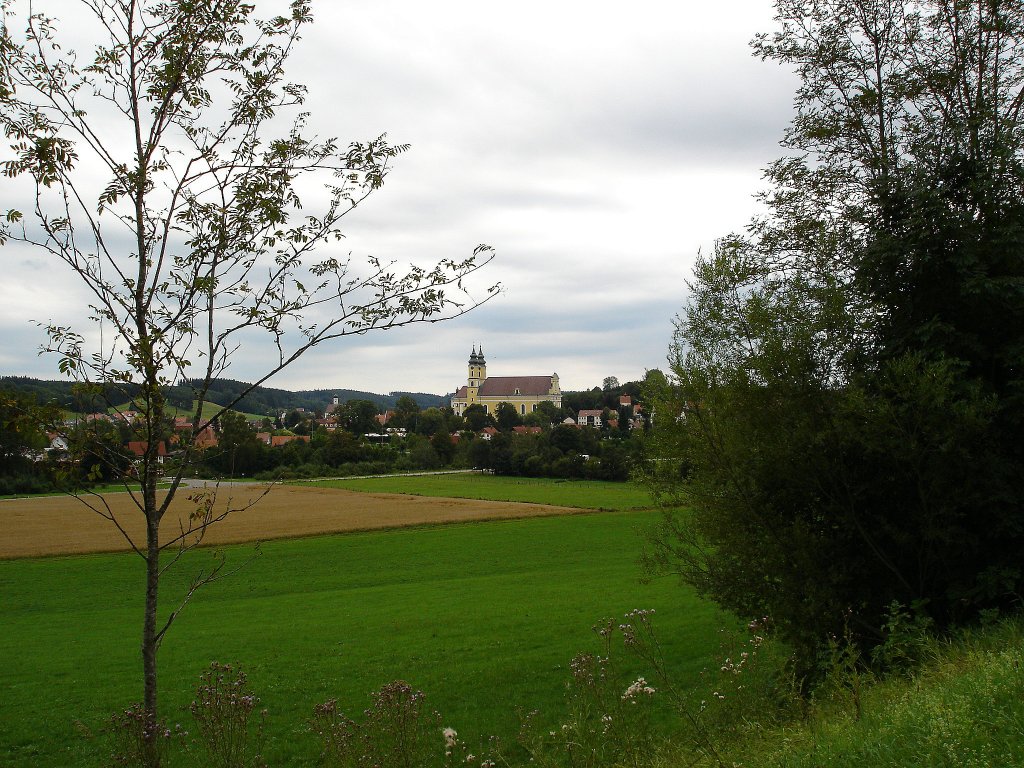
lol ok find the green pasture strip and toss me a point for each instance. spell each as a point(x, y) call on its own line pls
point(586, 494)
point(483, 617)
point(209, 409)
point(109, 488)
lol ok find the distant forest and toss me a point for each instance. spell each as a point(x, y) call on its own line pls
point(262, 400)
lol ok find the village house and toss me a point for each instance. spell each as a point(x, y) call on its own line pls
point(206, 438)
point(137, 448)
point(58, 442)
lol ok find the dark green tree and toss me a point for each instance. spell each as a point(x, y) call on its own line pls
point(479, 454)
point(23, 438)
point(507, 417)
point(295, 421)
point(421, 452)
point(536, 419)
point(476, 417)
point(500, 455)
point(565, 437)
point(841, 417)
point(548, 412)
point(22, 428)
point(340, 447)
point(359, 417)
point(238, 450)
point(441, 441)
point(625, 415)
point(98, 447)
point(406, 414)
point(429, 421)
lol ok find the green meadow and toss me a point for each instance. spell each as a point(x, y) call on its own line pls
point(483, 617)
point(587, 494)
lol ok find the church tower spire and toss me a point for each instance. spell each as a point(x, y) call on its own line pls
point(477, 373)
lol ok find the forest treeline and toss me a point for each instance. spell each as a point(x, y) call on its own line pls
point(262, 400)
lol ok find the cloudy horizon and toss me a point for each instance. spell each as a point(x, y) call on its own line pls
point(596, 150)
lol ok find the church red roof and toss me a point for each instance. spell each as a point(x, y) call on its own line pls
point(507, 386)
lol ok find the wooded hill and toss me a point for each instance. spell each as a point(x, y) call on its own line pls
point(263, 400)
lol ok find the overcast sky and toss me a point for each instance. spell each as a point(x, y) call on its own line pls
point(596, 146)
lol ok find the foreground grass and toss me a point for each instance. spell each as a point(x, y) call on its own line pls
point(965, 707)
point(483, 617)
point(585, 494)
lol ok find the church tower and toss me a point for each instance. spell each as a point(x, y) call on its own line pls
point(477, 373)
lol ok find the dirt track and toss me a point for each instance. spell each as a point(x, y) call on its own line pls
point(56, 525)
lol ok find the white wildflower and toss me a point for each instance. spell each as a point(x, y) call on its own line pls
point(637, 688)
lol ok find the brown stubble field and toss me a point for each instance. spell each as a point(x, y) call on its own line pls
point(62, 525)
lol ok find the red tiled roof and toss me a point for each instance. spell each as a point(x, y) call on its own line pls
point(138, 447)
point(278, 440)
point(527, 430)
point(461, 391)
point(506, 386)
point(206, 438)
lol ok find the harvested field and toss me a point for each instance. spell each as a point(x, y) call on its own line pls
point(60, 525)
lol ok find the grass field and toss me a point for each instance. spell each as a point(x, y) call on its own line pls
point(108, 488)
point(209, 409)
point(482, 616)
point(587, 494)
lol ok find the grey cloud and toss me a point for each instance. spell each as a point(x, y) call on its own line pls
point(596, 147)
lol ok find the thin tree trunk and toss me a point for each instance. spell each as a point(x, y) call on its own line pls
point(149, 633)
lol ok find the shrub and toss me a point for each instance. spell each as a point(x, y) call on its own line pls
point(395, 731)
point(138, 740)
point(225, 710)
